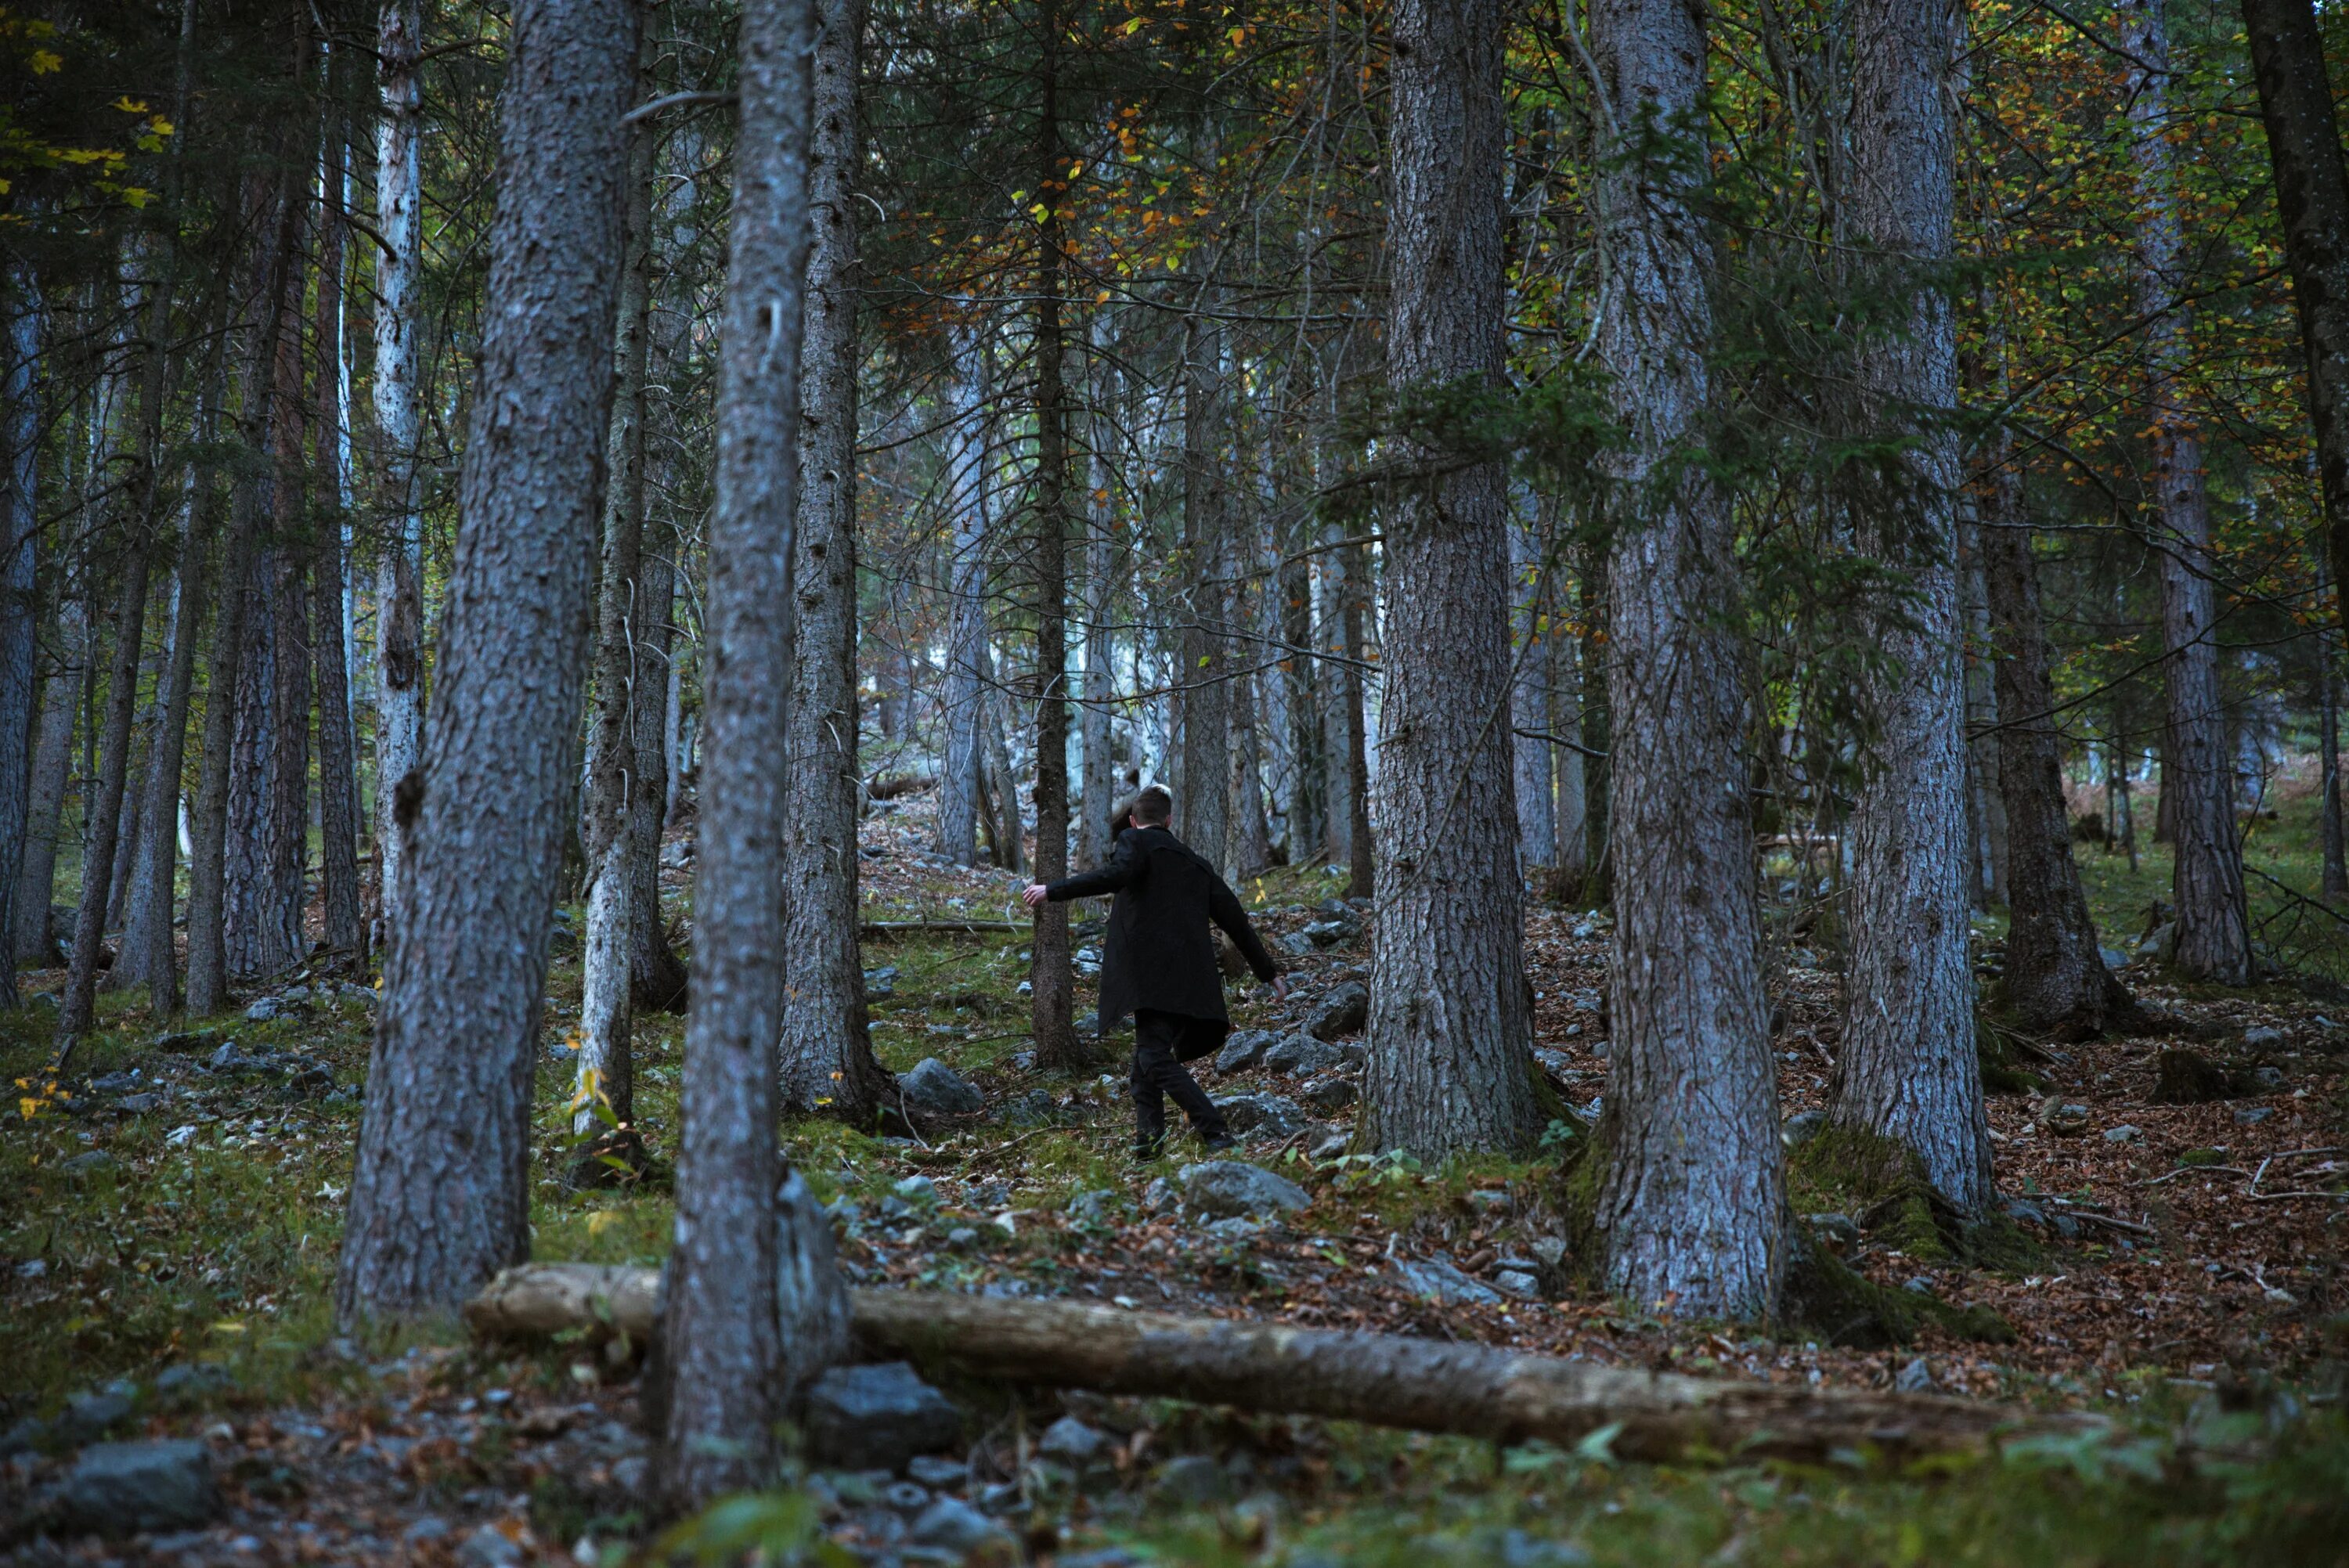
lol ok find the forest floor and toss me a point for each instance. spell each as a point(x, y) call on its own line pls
point(169, 1219)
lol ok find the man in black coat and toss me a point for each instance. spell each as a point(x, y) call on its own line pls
point(1158, 962)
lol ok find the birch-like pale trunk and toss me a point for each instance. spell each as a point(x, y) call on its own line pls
point(339, 776)
point(1203, 702)
point(1098, 791)
point(964, 703)
point(1529, 700)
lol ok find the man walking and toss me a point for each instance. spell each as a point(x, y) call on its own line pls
point(1158, 962)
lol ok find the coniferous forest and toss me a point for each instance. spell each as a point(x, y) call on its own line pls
point(1742, 606)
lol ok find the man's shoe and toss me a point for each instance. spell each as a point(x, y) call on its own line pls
point(1147, 1150)
point(1221, 1142)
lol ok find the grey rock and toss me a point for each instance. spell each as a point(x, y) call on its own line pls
point(1548, 1251)
point(1270, 1113)
point(1296, 943)
point(2161, 943)
point(1329, 933)
point(1159, 1195)
point(905, 1496)
point(1033, 1109)
point(139, 1104)
point(1301, 1054)
point(941, 1474)
point(919, 1191)
point(1105, 1557)
point(1095, 1207)
point(90, 1163)
point(953, 1525)
point(1193, 1478)
point(881, 984)
point(2113, 957)
point(432, 1527)
point(1841, 1229)
point(264, 1010)
point(2124, 1133)
point(91, 1415)
point(114, 1083)
point(1441, 1281)
point(1332, 1146)
point(1226, 1187)
point(1801, 1128)
point(123, 1489)
point(1073, 1442)
point(1515, 1549)
point(1331, 1094)
point(1342, 1010)
point(937, 1089)
point(1235, 1230)
point(878, 1417)
point(192, 1381)
point(2267, 1079)
point(1914, 1378)
point(23, 1436)
point(1519, 1283)
point(489, 1547)
point(2262, 1038)
point(2252, 1115)
point(1244, 1048)
point(2023, 1212)
point(225, 1059)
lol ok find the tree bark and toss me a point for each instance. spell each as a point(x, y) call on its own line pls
point(1098, 791)
point(20, 442)
point(1908, 1071)
point(1451, 1069)
point(36, 944)
point(1529, 703)
point(1693, 1204)
point(1354, 701)
point(338, 778)
point(720, 1345)
point(1386, 1379)
point(400, 571)
point(965, 702)
point(1202, 787)
point(440, 1198)
point(2312, 198)
point(656, 972)
point(2335, 884)
point(827, 1062)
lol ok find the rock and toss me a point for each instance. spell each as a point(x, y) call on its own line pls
point(1224, 1187)
point(1342, 1010)
point(1244, 1048)
point(2124, 1133)
point(489, 1547)
point(878, 1417)
point(1331, 1147)
point(1194, 1479)
point(1519, 1283)
point(933, 1472)
point(881, 984)
point(2113, 957)
point(2252, 1115)
point(180, 1137)
point(1329, 933)
point(1093, 1208)
point(917, 1190)
point(937, 1089)
point(91, 1415)
point(1836, 1230)
point(90, 1163)
point(1441, 1281)
point(1548, 1251)
point(1073, 1442)
point(1033, 1109)
point(114, 1083)
point(1801, 1128)
point(1914, 1378)
point(1296, 943)
point(1299, 1055)
point(225, 1059)
point(2267, 1080)
point(1331, 1094)
point(23, 1436)
point(950, 1524)
point(192, 1381)
point(123, 1488)
point(1159, 1195)
point(263, 1011)
point(2161, 943)
point(1270, 1113)
point(905, 1496)
point(139, 1104)
point(2263, 1038)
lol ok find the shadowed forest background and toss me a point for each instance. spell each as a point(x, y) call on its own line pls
point(1751, 597)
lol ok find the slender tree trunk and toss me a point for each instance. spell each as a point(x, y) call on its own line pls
point(1985, 803)
point(2328, 733)
point(1308, 756)
point(827, 1063)
point(1567, 685)
point(1101, 561)
point(440, 1198)
point(1529, 703)
point(1693, 1203)
point(1908, 1071)
point(2214, 938)
point(966, 691)
point(2055, 980)
point(1203, 788)
point(1598, 729)
point(20, 441)
point(1451, 1069)
point(36, 941)
point(606, 1068)
point(399, 572)
point(1354, 699)
point(719, 1339)
point(657, 974)
point(1000, 794)
point(338, 778)
point(1051, 981)
point(2312, 198)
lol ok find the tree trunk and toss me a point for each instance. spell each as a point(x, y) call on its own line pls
point(2312, 198)
point(1567, 685)
point(400, 571)
point(1908, 1071)
point(2336, 885)
point(657, 974)
point(36, 944)
point(1052, 981)
point(1530, 702)
point(2056, 981)
point(1308, 753)
point(1693, 1203)
point(20, 444)
point(605, 1071)
point(1202, 787)
point(827, 1063)
point(338, 776)
point(1451, 1069)
point(1986, 806)
point(1598, 730)
point(1099, 789)
point(720, 1346)
point(964, 701)
point(440, 1198)
point(2214, 938)
point(1354, 701)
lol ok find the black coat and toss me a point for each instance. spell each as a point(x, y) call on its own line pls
point(1158, 954)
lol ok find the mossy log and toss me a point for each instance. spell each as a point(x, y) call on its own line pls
point(1423, 1385)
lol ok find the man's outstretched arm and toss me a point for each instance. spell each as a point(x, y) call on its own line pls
point(1112, 878)
point(1224, 909)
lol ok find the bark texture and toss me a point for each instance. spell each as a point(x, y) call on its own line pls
point(720, 1345)
point(1693, 1204)
point(439, 1200)
point(1202, 780)
point(20, 445)
point(1098, 791)
point(1450, 1031)
point(339, 776)
point(1908, 1071)
point(1529, 704)
point(2214, 938)
point(964, 700)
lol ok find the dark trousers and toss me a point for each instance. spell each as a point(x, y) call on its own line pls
point(1160, 1042)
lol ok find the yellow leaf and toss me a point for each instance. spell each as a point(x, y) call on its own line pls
point(601, 1221)
point(228, 1325)
point(28, 1108)
point(1238, 36)
point(125, 104)
point(43, 62)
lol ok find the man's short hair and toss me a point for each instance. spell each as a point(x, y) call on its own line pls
point(1154, 807)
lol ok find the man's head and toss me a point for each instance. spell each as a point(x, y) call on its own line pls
point(1153, 808)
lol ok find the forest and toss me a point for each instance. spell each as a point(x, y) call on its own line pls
point(1740, 607)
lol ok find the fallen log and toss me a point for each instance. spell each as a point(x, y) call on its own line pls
point(1384, 1379)
point(881, 930)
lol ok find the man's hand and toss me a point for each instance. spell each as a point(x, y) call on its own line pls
point(1034, 895)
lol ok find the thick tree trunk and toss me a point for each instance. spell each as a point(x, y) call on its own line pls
point(1451, 1069)
point(1385, 1380)
point(827, 1063)
point(604, 1081)
point(1203, 778)
point(20, 445)
point(964, 700)
point(1693, 1204)
point(720, 1345)
point(338, 777)
point(2214, 939)
point(400, 571)
point(440, 1198)
point(2312, 198)
point(2056, 981)
point(1052, 981)
point(1908, 1071)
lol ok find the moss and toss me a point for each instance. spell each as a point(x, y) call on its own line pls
point(1881, 1183)
point(2007, 1054)
point(1824, 1297)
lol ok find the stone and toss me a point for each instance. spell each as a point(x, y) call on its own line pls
point(1331, 1094)
point(1300, 1055)
point(1268, 1113)
point(1331, 1147)
point(1329, 932)
point(1836, 1230)
point(1801, 1128)
point(180, 1137)
point(192, 1381)
point(2113, 957)
point(2124, 1133)
point(918, 1191)
point(1914, 1378)
point(2263, 1038)
point(1073, 1442)
point(2161, 943)
point(225, 1059)
point(1440, 1280)
point(1234, 1230)
point(1296, 943)
point(23, 1436)
point(139, 1104)
point(114, 1083)
point(1228, 1187)
point(123, 1488)
point(950, 1524)
point(1519, 1283)
point(90, 1163)
point(905, 1496)
point(1342, 1010)
point(937, 1089)
point(263, 1011)
point(934, 1471)
point(881, 984)
point(1093, 1208)
point(1194, 1479)
point(878, 1417)
point(2252, 1115)
point(489, 1547)
point(2267, 1080)
point(1548, 1251)
point(1033, 1109)
point(1244, 1048)
point(92, 1414)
